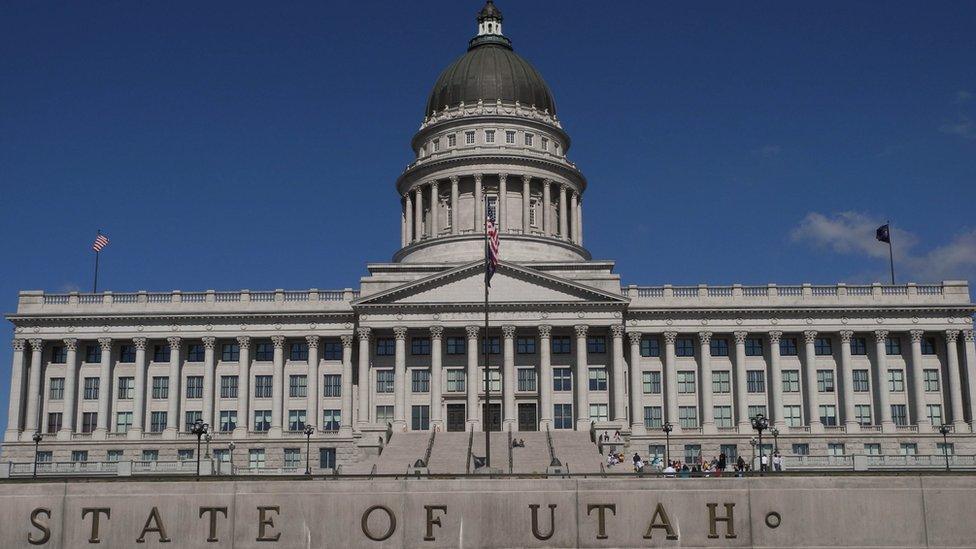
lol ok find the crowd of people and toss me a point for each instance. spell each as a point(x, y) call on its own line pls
point(716, 467)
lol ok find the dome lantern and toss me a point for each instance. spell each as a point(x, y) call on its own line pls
point(490, 20)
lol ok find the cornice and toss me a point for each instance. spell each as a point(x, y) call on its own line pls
point(424, 171)
point(159, 318)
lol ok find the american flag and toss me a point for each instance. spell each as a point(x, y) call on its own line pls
point(491, 261)
point(100, 242)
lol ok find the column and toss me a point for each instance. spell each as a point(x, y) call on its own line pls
point(209, 364)
point(403, 224)
point(104, 387)
point(455, 226)
point(847, 376)
point(582, 380)
point(33, 390)
point(741, 396)
point(705, 382)
point(563, 222)
point(400, 385)
point(173, 398)
point(436, 373)
point(435, 204)
point(508, 379)
point(139, 402)
point(243, 386)
point(364, 395)
point(671, 381)
point(278, 421)
point(776, 380)
point(881, 380)
point(70, 389)
point(636, 386)
point(809, 382)
point(472, 381)
point(408, 212)
point(502, 202)
point(312, 392)
point(526, 201)
point(619, 380)
point(918, 382)
point(345, 410)
point(418, 214)
point(579, 221)
point(546, 202)
point(545, 377)
point(970, 349)
point(16, 392)
point(574, 207)
point(955, 382)
point(479, 205)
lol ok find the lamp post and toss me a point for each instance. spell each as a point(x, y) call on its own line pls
point(230, 448)
point(760, 424)
point(775, 432)
point(944, 429)
point(752, 442)
point(208, 437)
point(37, 442)
point(199, 429)
point(667, 442)
point(309, 429)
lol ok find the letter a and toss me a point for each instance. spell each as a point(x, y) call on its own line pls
point(665, 523)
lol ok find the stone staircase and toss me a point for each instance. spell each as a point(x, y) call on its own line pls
point(575, 450)
point(450, 453)
point(499, 449)
point(534, 458)
point(401, 452)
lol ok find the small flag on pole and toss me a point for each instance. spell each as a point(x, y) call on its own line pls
point(100, 242)
point(883, 233)
point(491, 249)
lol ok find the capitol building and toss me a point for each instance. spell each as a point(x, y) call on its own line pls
point(572, 345)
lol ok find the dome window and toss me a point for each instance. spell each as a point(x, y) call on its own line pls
point(509, 138)
point(452, 140)
point(544, 143)
point(437, 145)
point(469, 138)
point(489, 136)
point(528, 139)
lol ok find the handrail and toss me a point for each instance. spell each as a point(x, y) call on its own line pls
point(510, 456)
point(467, 463)
point(552, 451)
point(430, 447)
point(372, 472)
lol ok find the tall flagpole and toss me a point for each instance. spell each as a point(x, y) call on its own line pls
point(95, 284)
point(487, 414)
point(891, 255)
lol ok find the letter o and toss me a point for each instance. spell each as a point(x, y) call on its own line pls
point(773, 519)
point(389, 531)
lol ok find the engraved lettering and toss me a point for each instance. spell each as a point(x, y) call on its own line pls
point(265, 521)
point(665, 523)
point(535, 522)
point(95, 513)
point(392, 528)
point(714, 520)
point(431, 520)
point(154, 523)
point(601, 509)
point(40, 525)
point(212, 536)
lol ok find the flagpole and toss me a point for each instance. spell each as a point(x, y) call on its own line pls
point(95, 284)
point(891, 255)
point(487, 413)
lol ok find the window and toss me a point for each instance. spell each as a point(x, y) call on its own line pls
point(528, 139)
point(264, 351)
point(719, 347)
point(656, 453)
point(296, 420)
point(525, 345)
point(787, 346)
point(801, 449)
point(723, 416)
point(652, 417)
point(221, 454)
point(651, 382)
point(862, 413)
point(91, 388)
point(160, 353)
point(455, 380)
point(327, 458)
point(126, 386)
point(526, 379)
point(123, 422)
point(688, 416)
point(791, 414)
point(533, 216)
point(420, 381)
point(692, 453)
point(293, 457)
point(562, 379)
point(150, 455)
point(931, 380)
point(452, 140)
point(184, 454)
point(489, 136)
point(756, 381)
point(298, 351)
point(384, 414)
point(544, 143)
point(822, 346)
point(93, 353)
point(495, 378)
point(160, 387)
point(686, 382)
point(598, 412)
point(157, 422)
point(194, 352)
point(53, 422)
point(228, 386)
point(263, 386)
point(934, 412)
point(563, 416)
point(90, 419)
point(384, 381)
point(262, 420)
point(928, 345)
point(893, 346)
point(59, 355)
point(420, 346)
point(598, 379)
point(899, 414)
point(755, 410)
point(297, 386)
point(835, 448)
point(896, 381)
point(469, 138)
point(754, 346)
point(194, 387)
point(79, 456)
point(332, 350)
point(228, 420)
point(860, 378)
point(650, 346)
point(494, 345)
point(872, 448)
point(114, 456)
point(825, 381)
point(791, 381)
point(331, 420)
point(721, 382)
point(455, 346)
point(255, 458)
point(828, 414)
point(230, 352)
point(510, 138)
point(684, 346)
point(596, 344)
point(56, 388)
point(560, 345)
point(420, 418)
point(858, 346)
point(127, 354)
point(190, 419)
point(945, 449)
point(908, 449)
point(332, 385)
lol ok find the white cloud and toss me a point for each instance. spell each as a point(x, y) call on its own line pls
point(768, 151)
point(962, 126)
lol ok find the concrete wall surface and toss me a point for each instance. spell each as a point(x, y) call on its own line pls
point(841, 511)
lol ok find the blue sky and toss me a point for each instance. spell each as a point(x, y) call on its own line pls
point(255, 145)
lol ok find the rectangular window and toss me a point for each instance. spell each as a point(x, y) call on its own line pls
point(598, 379)
point(93, 353)
point(791, 414)
point(90, 419)
point(114, 456)
point(298, 351)
point(296, 420)
point(828, 414)
point(754, 346)
point(126, 388)
point(327, 458)
point(526, 380)
point(194, 352)
point(692, 453)
point(528, 139)
point(723, 416)
point(510, 138)
point(893, 346)
point(190, 419)
point(293, 458)
point(495, 378)
point(59, 355)
point(525, 345)
point(194, 387)
point(91, 388)
point(56, 388)
point(686, 382)
point(228, 386)
point(331, 420)
point(896, 381)
point(823, 347)
point(228, 420)
point(931, 380)
point(493, 344)
point(262, 420)
point(688, 417)
point(731, 452)
point(123, 422)
point(79, 456)
point(872, 448)
point(384, 414)
point(297, 386)
point(452, 140)
point(719, 347)
point(651, 382)
point(150, 455)
point(420, 381)
point(563, 416)
point(160, 353)
point(420, 346)
point(862, 413)
point(721, 382)
point(157, 422)
point(384, 381)
point(801, 449)
point(656, 453)
point(908, 449)
point(652, 417)
point(928, 346)
point(255, 458)
point(230, 352)
point(756, 381)
point(53, 422)
point(264, 351)
point(263, 386)
point(791, 381)
point(787, 346)
point(596, 344)
point(835, 448)
point(562, 379)
point(332, 350)
point(650, 346)
point(489, 136)
point(127, 354)
point(755, 410)
point(859, 346)
point(469, 138)
point(455, 380)
point(184, 454)
point(456, 346)
point(899, 414)
point(561, 345)
point(332, 385)
point(825, 381)
point(945, 449)
point(420, 418)
point(860, 378)
point(684, 346)
point(934, 412)
point(598, 412)
point(544, 143)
